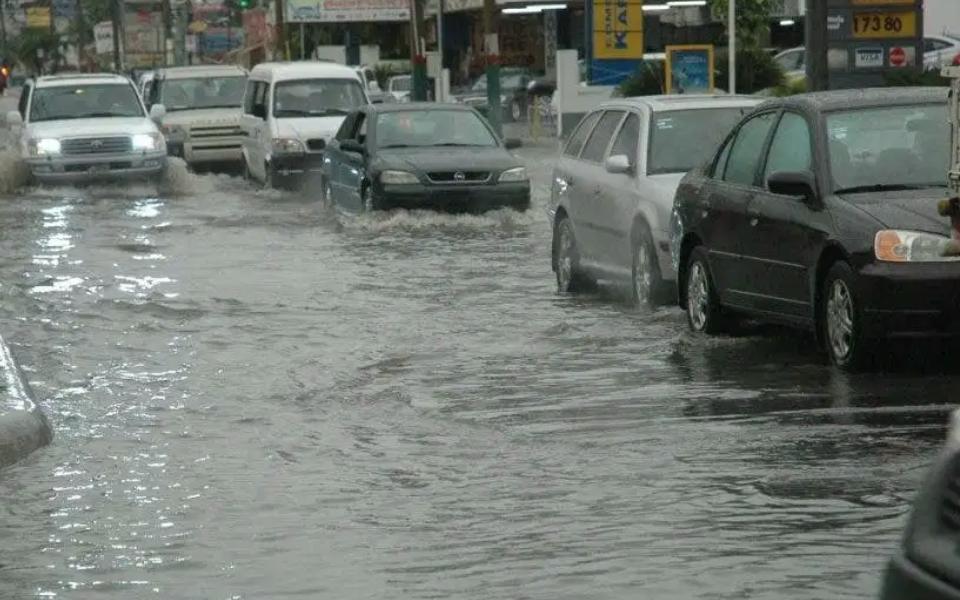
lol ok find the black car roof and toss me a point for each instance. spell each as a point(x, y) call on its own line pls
point(820, 102)
point(406, 106)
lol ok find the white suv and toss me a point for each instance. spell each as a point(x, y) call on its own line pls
point(81, 127)
point(203, 107)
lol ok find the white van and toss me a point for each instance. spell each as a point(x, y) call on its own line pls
point(290, 111)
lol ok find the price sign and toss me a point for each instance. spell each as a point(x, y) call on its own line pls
point(876, 25)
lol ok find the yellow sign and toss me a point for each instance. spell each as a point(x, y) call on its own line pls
point(197, 27)
point(871, 25)
point(38, 17)
point(618, 29)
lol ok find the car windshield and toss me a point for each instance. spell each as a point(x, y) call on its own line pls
point(85, 102)
point(317, 97)
point(439, 127)
point(902, 146)
point(401, 85)
point(681, 140)
point(205, 92)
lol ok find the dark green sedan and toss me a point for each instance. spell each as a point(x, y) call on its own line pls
point(422, 156)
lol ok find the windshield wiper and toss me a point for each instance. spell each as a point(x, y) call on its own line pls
point(388, 146)
point(330, 111)
point(98, 115)
point(291, 112)
point(887, 187)
point(458, 144)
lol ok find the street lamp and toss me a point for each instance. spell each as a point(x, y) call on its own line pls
point(732, 52)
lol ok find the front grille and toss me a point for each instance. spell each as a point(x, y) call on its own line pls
point(111, 145)
point(950, 505)
point(459, 176)
point(113, 166)
point(215, 132)
point(316, 145)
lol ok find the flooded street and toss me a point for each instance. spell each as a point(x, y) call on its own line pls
point(254, 397)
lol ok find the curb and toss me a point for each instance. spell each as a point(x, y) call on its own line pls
point(23, 426)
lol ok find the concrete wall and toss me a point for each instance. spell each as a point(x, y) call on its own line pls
point(573, 100)
point(23, 427)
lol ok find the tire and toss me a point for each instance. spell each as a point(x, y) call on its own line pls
point(368, 203)
point(840, 319)
point(268, 177)
point(647, 282)
point(703, 306)
point(570, 279)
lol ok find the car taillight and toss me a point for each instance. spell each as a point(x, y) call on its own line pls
point(956, 60)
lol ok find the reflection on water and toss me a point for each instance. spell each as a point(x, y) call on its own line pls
point(257, 397)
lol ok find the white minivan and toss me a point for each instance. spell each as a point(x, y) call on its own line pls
point(290, 111)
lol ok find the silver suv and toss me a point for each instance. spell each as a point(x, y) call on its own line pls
point(81, 127)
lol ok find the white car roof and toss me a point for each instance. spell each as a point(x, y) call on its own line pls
point(81, 79)
point(201, 71)
point(685, 102)
point(285, 71)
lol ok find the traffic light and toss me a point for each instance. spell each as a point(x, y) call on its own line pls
point(244, 4)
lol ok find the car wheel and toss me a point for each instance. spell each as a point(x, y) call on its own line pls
point(516, 110)
point(267, 177)
point(703, 307)
point(840, 319)
point(647, 283)
point(570, 279)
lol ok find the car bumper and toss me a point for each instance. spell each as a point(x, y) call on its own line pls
point(298, 170)
point(911, 300)
point(904, 579)
point(66, 169)
point(220, 151)
point(455, 198)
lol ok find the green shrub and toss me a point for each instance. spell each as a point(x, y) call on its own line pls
point(756, 70)
point(912, 77)
point(647, 81)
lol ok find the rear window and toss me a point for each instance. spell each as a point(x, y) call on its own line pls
point(682, 140)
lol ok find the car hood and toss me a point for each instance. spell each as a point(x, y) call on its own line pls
point(100, 127)
point(309, 127)
point(210, 117)
point(911, 210)
point(447, 158)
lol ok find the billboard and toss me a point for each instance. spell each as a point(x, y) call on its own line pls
point(689, 69)
point(617, 29)
point(346, 11)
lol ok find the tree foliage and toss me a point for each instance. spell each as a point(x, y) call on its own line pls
point(756, 70)
point(647, 81)
point(753, 19)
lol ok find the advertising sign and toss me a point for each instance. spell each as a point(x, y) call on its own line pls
point(347, 11)
point(617, 29)
point(103, 37)
point(38, 17)
point(689, 69)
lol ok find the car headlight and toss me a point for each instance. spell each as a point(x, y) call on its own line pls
point(892, 245)
point(513, 175)
point(174, 133)
point(147, 141)
point(43, 147)
point(398, 177)
point(287, 146)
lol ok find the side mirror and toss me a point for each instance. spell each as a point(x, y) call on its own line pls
point(512, 143)
point(798, 184)
point(14, 118)
point(158, 112)
point(353, 146)
point(618, 163)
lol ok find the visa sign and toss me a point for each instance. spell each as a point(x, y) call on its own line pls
point(617, 29)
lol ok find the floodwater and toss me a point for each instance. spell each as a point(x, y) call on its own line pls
point(255, 397)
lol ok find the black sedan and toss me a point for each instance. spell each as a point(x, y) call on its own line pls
point(927, 564)
point(821, 211)
point(436, 156)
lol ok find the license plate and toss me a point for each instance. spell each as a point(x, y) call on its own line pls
point(884, 24)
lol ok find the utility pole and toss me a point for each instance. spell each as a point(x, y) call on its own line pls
point(732, 50)
point(281, 29)
point(491, 56)
point(115, 15)
point(818, 77)
point(417, 50)
point(3, 28)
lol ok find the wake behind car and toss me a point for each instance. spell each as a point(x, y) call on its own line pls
point(203, 107)
point(614, 184)
point(926, 566)
point(290, 113)
point(821, 211)
point(422, 155)
point(83, 127)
